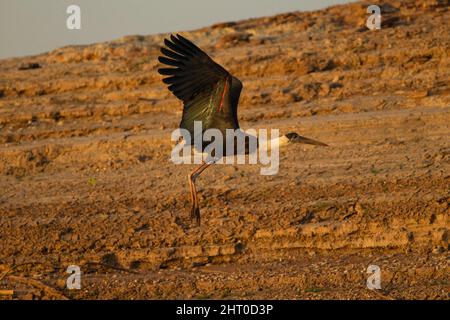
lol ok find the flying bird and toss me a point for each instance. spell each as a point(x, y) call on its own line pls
point(210, 94)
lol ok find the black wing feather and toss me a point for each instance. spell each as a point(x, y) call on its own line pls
point(191, 50)
point(202, 84)
point(191, 62)
point(171, 62)
point(172, 54)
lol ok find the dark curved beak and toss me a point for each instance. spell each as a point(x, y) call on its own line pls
point(304, 140)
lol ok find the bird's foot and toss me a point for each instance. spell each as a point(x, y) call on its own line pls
point(195, 214)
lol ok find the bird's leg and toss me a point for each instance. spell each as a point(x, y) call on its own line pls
point(195, 211)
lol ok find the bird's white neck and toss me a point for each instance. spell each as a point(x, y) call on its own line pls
point(277, 142)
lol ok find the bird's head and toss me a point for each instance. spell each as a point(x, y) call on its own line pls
point(294, 137)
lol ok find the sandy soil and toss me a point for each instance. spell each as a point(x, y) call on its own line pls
point(85, 176)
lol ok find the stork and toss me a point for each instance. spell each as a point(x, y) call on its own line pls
point(210, 94)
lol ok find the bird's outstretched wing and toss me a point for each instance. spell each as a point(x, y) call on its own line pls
point(210, 93)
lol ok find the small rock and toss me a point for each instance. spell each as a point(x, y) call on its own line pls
point(29, 66)
point(438, 249)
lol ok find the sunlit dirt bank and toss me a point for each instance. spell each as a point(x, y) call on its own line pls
point(86, 177)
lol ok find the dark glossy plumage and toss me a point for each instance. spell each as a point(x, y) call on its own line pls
point(209, 93)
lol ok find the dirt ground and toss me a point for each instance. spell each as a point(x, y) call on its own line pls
point(86, 177)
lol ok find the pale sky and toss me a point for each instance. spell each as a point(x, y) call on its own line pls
point(34, 26)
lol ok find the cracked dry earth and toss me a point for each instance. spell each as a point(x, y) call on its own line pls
point(86, 177)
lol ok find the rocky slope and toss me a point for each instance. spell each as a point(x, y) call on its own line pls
point(85, 176)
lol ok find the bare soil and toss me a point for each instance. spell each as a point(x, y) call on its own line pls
point(86, 177)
